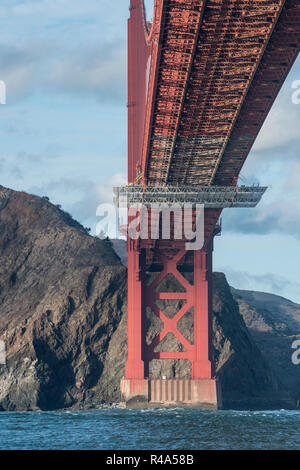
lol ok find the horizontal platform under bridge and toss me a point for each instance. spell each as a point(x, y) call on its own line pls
point(211, 197)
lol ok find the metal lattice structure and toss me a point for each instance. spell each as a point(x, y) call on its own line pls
point(213, 69)
point(211, 197)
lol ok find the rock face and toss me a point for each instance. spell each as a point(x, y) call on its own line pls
point(63, 318)
point(62, 296)
point(274, 324)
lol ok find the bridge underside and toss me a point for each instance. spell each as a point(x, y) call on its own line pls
point(212, 70)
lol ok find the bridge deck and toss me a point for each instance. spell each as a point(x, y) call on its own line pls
point(218, 66)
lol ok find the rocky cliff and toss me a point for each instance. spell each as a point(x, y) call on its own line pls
point(63, 318)
point(274, 324)
point(62, 296)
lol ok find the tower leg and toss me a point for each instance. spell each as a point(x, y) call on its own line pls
point(134, 387)
point(135, 368)
point(202, 366)
point(205, 387)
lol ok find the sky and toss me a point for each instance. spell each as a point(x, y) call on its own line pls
point(63, 134)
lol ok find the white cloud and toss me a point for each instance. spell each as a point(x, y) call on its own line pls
point(268, 282)
point(279, 210)
point(80, 196)
point(281, 128)
point(99, 71)
point(58, 46)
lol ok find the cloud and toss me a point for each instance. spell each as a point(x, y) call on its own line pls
point(18, 68)
point(268, 282)
point(16, 126)
point(17, 167)
point(98, 70)
point(274, 161)
point(97, 193)
point(58, 46)
point(51, 11)
point(81, 196)
point(279, 210)
point(93, 70)
point(281, 128)
point(11, 168)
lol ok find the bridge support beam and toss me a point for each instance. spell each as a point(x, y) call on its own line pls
point(200, 388)
point(202, 364)
point(135, 367)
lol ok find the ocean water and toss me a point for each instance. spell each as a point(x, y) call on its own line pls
point(152, 429)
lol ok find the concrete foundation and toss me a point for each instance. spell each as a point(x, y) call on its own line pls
point(195, 393)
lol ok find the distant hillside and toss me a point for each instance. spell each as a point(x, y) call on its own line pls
point(120, 248)
point(63, 318)
point(274, 323)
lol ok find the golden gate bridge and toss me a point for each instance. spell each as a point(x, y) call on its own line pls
point(202, 78)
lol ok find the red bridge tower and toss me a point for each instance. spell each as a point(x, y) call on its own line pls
point(201, 80)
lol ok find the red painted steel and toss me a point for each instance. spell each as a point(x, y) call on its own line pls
point(136, 271)
point(207, 70)
point(138, 57)
point(279, 56)
point(197, 296)
point(202, 80)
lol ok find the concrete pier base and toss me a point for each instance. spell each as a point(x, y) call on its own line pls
point(134, 392)
point(194, 393)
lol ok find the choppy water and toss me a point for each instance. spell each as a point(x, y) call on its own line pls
point(168, 429)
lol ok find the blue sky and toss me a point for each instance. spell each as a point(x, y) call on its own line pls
point(63, 134)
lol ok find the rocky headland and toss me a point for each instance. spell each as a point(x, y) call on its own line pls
point(63, 318)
